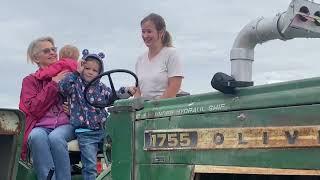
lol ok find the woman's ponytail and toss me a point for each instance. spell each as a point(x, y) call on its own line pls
point(167, 40)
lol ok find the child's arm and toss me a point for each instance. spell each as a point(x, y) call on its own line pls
point(54, 69)
point(67, 84)
point(108, 98)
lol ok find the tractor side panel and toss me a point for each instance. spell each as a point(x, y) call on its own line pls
point(293, 151)
point(163, 171)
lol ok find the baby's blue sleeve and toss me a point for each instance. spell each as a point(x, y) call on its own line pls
point(67, 84)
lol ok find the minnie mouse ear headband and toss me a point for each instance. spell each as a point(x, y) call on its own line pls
point(99, 57)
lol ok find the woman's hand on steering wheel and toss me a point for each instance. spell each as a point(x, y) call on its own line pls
point(132, 90)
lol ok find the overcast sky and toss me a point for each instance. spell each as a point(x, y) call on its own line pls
point(203, 32)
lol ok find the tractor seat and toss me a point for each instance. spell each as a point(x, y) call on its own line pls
point(73, 146)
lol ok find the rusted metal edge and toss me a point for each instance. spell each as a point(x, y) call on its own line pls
point(21, 118)
point(253, 170)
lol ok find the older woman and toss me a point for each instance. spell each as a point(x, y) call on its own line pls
point(47, 128)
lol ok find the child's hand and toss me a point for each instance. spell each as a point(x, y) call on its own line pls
point(65, 107)
point(132, 90)
point(80, 66)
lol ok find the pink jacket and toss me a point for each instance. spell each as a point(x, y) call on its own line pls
point(57, 67)
point(37, 99)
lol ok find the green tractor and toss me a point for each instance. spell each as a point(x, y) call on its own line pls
point(11, 135)
point(239, 132)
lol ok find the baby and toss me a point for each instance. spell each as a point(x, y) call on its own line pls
point(68, 57)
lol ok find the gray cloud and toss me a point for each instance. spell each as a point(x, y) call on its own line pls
point(203, 31)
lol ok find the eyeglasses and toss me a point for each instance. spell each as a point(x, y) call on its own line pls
point(48, 50)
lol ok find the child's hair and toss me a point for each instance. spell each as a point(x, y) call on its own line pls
point(69, 51)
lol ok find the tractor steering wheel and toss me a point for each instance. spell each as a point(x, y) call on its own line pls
point(114, 93)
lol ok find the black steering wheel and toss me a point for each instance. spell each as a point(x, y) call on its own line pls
point(114, 93)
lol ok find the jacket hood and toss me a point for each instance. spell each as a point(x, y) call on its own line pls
point(99, 57)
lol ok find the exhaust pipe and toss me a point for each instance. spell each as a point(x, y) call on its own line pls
point(301, 20)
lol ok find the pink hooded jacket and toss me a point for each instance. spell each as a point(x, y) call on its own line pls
point(37, 99)
point(53, 69)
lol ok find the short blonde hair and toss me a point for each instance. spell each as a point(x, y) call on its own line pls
point(69, 51)
point(34, 48)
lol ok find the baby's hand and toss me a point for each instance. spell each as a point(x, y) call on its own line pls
point(65, 107)
point(80, 66)
point(60, 76)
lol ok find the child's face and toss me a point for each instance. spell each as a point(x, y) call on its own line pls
point(91, 70)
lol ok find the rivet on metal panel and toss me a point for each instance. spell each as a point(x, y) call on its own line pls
point(242, 117)
point(235, 99)
point(159, 159)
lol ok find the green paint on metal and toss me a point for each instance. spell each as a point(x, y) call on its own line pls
point(105, 175)
point(11, 135)
point(120, 128)
point(25, 172)
point(302, 158)
point(163, 171)
point(295, 103)
point(256, 97)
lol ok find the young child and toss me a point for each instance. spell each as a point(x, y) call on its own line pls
point(88, 120)
point(68, 57)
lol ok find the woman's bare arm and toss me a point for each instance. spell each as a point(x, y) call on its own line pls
point(173, 88)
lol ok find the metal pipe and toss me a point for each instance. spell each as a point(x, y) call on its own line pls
point(285, 26)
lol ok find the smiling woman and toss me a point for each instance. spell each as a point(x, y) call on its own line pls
point(42, 52)
point(47, 127)
point(159, 69)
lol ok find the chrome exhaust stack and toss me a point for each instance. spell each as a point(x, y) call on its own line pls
point(301, 20)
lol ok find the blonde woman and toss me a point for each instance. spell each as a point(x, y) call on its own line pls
point(47, 127)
